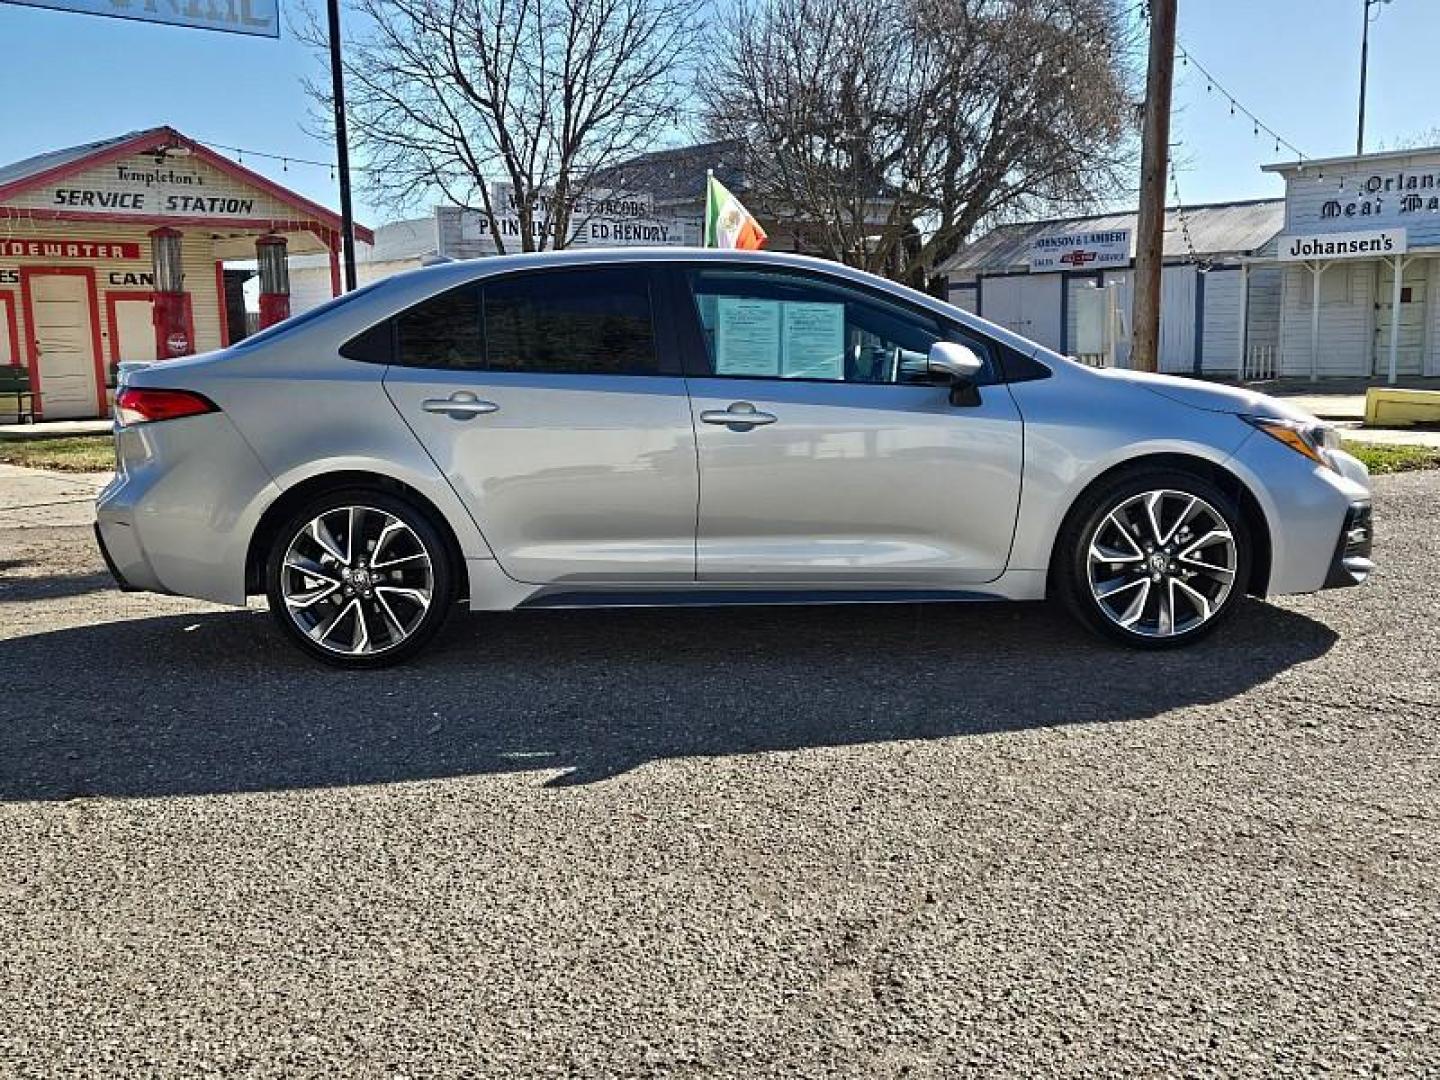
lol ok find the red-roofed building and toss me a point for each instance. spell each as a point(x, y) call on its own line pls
point(115, 250)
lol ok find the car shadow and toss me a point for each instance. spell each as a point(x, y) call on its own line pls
point(17, 586)
point(211, 703)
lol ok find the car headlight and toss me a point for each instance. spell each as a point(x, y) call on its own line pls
point(1316, 441)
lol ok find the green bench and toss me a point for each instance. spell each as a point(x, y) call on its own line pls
point(15, 383)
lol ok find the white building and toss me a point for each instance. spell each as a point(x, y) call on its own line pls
point(1350, 223)
point(1066, 283)
point(1338, 278)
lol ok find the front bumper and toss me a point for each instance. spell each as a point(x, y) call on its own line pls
point(1351, 564)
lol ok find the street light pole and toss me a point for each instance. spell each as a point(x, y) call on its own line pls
point(342, 145)
point(1364, 67)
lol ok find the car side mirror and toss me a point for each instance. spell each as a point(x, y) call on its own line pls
point(954, 361)
point(960, 364)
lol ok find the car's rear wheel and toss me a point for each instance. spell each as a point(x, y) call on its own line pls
point(1155, 558)
point(360, 578)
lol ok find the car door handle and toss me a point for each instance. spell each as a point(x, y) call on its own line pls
point(461, 405)
point(739, 414)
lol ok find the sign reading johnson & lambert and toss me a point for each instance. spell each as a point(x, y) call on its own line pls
point(1346, 245)
point(1092, 250)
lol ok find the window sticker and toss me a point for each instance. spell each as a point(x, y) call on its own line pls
point(814, 341)
point(747, 337)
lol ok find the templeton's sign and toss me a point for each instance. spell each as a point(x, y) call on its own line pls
point(1346, 245)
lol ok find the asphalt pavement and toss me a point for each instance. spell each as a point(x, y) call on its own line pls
point(871, 842)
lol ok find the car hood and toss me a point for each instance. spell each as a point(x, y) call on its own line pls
point(1211, 396)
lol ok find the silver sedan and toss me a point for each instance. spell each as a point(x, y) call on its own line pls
point(699, 427)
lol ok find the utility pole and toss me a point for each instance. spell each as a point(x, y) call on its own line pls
point(1364, 69)
point(342, 145)
point(1154, 156)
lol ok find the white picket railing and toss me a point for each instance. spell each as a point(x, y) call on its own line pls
point(1093, 359)
point(1262, 362)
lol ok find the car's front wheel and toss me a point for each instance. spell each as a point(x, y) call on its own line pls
point(360, 578)
point(1155, 559)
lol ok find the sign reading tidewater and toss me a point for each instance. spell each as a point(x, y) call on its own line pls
point(1093, 250)
point(259, 18)
point(1347, 245)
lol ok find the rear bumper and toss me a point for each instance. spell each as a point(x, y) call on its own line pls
point(1351, 564)
point(115, 572)
point(179, 514)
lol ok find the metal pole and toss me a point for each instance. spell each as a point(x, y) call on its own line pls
point(342, 145)
point(1364, 64)
point(1154, 153)
point(1395, 318)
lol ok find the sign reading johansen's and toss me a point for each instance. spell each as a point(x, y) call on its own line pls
point(1346, 245)
point(1092, 250)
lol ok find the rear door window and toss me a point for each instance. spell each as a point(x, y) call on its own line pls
point(596, 321)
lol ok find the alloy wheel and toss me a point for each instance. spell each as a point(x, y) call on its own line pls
point(357, 580)
point(1162, 563)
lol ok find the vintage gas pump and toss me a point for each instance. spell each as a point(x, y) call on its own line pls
point(274, 279)
point(172, 334)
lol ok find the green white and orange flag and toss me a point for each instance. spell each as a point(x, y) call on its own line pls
point(727, 223)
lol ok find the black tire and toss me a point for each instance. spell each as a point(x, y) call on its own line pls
point(1089, 521)
point(401, 617)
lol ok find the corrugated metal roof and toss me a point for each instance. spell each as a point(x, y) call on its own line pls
point(51, 159)
point(1218, 229)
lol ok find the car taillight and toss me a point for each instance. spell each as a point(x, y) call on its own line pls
point(139, 405)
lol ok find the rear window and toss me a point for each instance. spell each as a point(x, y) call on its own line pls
point(296, 321)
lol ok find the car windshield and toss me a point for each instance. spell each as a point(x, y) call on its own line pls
point(286, 325)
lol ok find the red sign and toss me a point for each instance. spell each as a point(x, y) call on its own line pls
point(98, 250)
point(1078, 257)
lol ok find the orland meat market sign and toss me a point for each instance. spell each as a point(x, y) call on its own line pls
point(142, 186)
point(1093, 250)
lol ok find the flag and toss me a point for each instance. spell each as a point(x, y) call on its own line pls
point(727, 223)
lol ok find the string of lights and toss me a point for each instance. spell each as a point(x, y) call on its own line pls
point(286, 160)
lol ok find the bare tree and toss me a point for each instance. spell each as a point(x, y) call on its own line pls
point(449, 96)
point(897, 129)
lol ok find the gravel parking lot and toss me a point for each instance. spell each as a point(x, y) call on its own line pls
point(919, 841)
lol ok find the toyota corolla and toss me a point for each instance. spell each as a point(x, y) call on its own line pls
point(699, 427)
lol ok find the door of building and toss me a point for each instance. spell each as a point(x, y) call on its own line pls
point(132, 331)
point(1027, 304)
point(61, 319)
point(1410, 355)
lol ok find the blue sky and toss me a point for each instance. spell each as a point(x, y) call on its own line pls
point(72, 78)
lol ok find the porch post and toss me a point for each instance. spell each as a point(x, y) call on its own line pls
point(1395, 317)
point(1244, 319)
point(1316, 270)
point(334, 247)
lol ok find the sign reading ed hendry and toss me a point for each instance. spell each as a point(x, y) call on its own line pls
point(259, 18)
